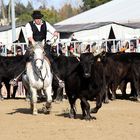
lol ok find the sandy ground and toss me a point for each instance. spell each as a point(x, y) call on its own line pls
point(118, 120)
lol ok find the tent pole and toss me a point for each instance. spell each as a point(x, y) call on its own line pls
point(13, 20)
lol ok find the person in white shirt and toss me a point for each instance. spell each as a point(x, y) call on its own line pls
point(39, 30)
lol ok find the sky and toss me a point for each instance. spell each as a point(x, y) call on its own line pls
point(57, 4)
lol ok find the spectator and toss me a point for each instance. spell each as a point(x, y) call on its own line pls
point(87, 49)
point(103, 45)
point(132, 47)
point(19, 51)
point(109, 45)
point(10, 53)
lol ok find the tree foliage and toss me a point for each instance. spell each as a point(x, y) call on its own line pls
point(67, 11)
point(24, 18)
point(88, 4)
point(50, 15)
point(19, 8)
point(23, 12)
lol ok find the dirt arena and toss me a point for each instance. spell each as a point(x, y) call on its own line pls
point(118, 120)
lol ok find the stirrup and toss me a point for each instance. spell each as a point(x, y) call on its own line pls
point(13, 82)
point(61, 83)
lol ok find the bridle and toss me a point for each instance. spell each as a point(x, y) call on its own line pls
point(42, 61)
point(38, 71)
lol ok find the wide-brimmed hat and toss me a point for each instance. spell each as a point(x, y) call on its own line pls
point(37, 15)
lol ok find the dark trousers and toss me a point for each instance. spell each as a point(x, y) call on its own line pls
point(53, 64)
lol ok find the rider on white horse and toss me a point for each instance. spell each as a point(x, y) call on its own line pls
point(38, 78)
point(39, 30)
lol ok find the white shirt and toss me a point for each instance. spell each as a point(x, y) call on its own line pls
point(50, 30)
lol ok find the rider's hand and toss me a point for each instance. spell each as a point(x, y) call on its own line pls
point(55, 33)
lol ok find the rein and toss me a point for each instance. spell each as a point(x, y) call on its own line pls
point(52, 43)
point(39, 73)
point(14, 81)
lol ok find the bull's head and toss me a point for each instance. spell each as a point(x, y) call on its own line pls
point(86, 61)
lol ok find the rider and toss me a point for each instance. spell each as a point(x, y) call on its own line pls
point(39, 30)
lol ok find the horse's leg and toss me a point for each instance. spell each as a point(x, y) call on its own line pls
point(14, 91)
point(7, 85)
point(1, 96)
point(59, 96)
point(34, 101)
point(25, 83)
point(48, 93)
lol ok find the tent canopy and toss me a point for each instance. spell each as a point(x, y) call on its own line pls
point(118, 18)
point(121, 11)
point(89, 26)
point(6, 34)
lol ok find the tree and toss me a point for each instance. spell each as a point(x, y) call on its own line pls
point(88, 4)
point(23, 13)
point(29, 7)
point(24, 18)
point(67, 11)
point(19, 8)
point(50, 15)
point(3, 9)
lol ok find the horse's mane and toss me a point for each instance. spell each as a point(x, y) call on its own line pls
point(39, 45)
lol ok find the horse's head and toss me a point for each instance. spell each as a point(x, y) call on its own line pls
point(38, 55)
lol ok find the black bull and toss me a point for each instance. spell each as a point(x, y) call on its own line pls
point(79, 84)
point(122, 67)
point(11, 67)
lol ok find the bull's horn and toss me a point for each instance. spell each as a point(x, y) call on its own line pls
point(95, 54)
point(43, 42)
point(76, 54)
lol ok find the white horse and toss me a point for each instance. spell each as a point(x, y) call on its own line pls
point(39, 77)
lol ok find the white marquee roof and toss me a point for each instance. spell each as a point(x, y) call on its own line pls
point(121, 11)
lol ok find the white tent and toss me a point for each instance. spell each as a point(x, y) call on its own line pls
point(121, 11)
point(6, 34)
point(119, 31)
point(96, 23)
point(97, 31)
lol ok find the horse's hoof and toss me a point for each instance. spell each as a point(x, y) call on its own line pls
point(2, 99)
point(106, 101)
point(93, 110)
point(27, 99)
point(138, 99)
point(46, 108)
point(35, 112)
point(88, 118)
point(113, 98)
point(72, 116)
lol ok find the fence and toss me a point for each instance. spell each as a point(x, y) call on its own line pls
point(109, 45)
point(11, 48)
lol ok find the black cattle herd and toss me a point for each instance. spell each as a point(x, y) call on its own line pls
point(94, 78)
